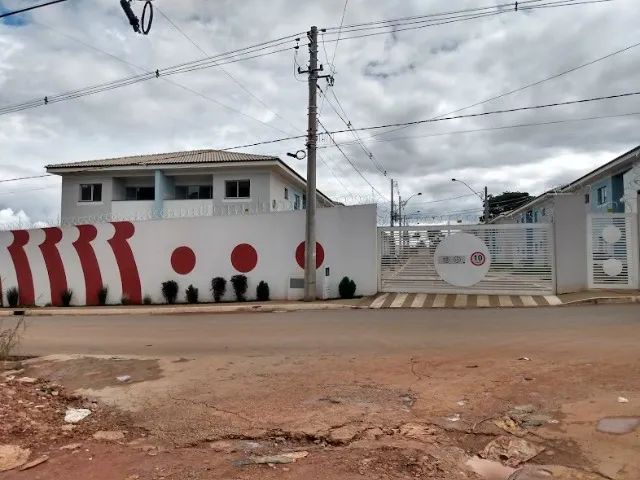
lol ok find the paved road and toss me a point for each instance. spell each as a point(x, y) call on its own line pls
point(340, 331)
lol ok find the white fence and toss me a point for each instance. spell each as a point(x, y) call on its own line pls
point(521, 259)
point(612, 251)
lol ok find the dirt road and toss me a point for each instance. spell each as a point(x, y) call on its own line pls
point(374, 331)
point(366, 394)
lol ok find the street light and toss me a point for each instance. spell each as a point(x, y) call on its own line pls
point(484, 199)
point(402, 204)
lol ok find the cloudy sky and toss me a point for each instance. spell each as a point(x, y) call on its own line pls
point(398, 76)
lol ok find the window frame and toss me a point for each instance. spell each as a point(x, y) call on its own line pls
point(237, 189)
point(137, 189)
point(190, 188)
point(92, 186)
point(601, 195)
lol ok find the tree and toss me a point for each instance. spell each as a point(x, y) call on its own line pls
point(506, 202)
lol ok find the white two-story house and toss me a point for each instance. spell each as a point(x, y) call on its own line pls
point(178, 184)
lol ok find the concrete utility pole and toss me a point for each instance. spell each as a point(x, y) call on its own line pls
point(486, 205)
point(391, 224)
point(310, 227)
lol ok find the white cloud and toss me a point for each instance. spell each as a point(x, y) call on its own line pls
point(14, 220)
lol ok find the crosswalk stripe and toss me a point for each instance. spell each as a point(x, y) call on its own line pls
point(377, 303)
point(460, 301)
point(552, 300)
point(440, 301)
point(418, 302)
point(483, 301)
point(505, 301)
point(528, 301)
point(399, 300)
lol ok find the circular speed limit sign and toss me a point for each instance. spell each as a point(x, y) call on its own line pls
point(478, 258)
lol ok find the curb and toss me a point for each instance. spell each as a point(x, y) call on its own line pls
point(604, 300)
point(180, 310)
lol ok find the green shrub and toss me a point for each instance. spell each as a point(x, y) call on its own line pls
point(262, 292)
point(103, 293)
point(218, 288)
point(125, 299)
point(347, 288)
point(239, 283)
point(147, 300)
point(192, 294)
point(170, 291)
point(13, 296)
point(66, 296)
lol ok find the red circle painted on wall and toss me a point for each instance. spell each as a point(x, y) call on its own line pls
point(319, 255)
point(244, 258)
point(183, 260)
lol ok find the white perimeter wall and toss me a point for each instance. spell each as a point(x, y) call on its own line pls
point(347, 234)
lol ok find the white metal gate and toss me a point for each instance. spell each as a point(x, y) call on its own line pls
point(612, 250)
point(522, 259)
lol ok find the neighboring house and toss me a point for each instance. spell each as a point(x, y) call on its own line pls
point(612, 188)
point(189, 183)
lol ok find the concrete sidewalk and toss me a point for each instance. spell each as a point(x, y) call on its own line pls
point(378, 301)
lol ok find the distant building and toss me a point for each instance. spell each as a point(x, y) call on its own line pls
point(612, 188)
point(188, 183)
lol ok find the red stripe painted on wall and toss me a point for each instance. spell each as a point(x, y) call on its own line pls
point(22, 267)
point(89, 262)
point(129, 275)
point(53, 262)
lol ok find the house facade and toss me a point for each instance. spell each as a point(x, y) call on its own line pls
point(611, 188)
point(179, 184)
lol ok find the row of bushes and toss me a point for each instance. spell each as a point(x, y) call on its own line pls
point(170, 291)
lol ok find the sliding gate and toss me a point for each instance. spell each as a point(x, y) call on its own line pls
point(514, 259)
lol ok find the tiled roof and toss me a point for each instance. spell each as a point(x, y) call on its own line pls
point(172, 158)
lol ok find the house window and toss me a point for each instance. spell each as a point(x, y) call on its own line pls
point(237, 189)
point(91, 192)
point(587, 198)
point(602, 195)
point(286, 193)
point(194, 192)
point(296, 201)
point(304, 201)
point(140, 193)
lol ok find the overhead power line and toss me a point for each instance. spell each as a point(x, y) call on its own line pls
point(533, 84)
point(238, 55)
point(352, 164)
point(227, 73)
point(488, 129)
point(4, 180)
point(22, 10)
point(416, 122)
point(400, 26)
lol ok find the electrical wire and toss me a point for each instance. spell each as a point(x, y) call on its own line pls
point(243, 54)
point(534, 84)
point(348, 124)
point(488, 129)
point(4, 180)
point(351, 163)
point(231, 77)
point(394, 30)
point(15, 12)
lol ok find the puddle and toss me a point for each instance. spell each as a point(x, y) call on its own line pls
point(488, 469)
point(618, 425)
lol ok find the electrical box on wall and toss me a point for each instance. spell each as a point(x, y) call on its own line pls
point(324, 284)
